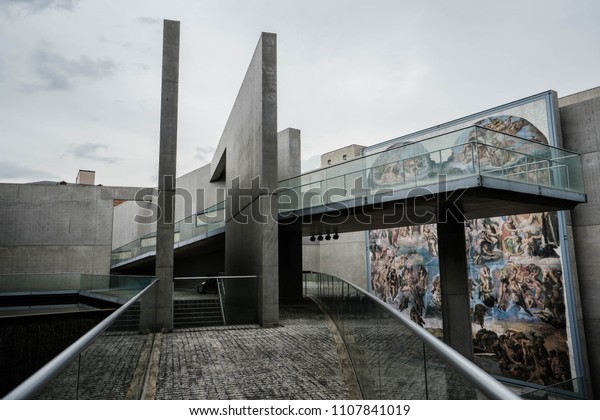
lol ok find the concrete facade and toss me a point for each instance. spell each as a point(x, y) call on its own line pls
point(330, 256)
point(580, 121)
point(57, 228)
point(246, 158)
point(341, 155)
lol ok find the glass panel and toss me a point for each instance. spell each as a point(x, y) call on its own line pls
point(197, 226)
point(566, 390)
point(42, 315)
point(455, 155)
point(390, 361)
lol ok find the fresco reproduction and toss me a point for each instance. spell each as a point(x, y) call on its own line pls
point(518, 305)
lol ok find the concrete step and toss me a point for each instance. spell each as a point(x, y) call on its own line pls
point(196, 313)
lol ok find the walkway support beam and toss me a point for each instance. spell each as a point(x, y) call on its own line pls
point(454, 278)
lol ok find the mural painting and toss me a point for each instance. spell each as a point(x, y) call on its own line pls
point(518, 305)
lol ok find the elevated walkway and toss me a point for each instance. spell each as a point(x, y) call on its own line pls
point(205, 225)
point(471, 173)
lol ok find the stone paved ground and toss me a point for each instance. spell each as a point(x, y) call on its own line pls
point(297, 360)
point(104, 371)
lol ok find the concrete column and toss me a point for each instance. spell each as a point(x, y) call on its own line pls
point(456, 308)
point(157, 309)
point(249, 147)
point(290, 242)
point(288, 153)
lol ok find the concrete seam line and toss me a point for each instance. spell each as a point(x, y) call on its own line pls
point(151, 378)
point(139, 376)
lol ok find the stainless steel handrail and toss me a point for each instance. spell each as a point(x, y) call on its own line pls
point(486, 383)
point(33, 385)
point(221, 293)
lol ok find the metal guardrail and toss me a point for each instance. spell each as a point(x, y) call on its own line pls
point(486, 383)
point(221, 292)
point(33, 385)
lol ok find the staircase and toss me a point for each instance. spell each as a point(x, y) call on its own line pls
point(197, 313)
point(129, 321)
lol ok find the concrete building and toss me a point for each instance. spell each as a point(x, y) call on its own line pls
point(227, 218)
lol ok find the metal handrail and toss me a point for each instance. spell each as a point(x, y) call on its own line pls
point(221, 293)
point(486, 383)
point(33, 385)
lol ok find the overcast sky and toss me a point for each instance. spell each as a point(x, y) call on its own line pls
point(80, 79)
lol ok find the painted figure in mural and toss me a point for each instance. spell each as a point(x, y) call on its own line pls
point(558, 368)
point(436, 292)
point(486, 287)
point(400, 164)
point(416, 318)
point(479, 313)
point(430, 236)
point(532, 244)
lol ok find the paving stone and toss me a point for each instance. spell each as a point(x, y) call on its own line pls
point(297, 360)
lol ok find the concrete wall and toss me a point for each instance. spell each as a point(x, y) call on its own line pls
point(344, 257)
point(341, 155)
point(580, 122)
point(56, 228)
point(246, 158)
point(194, 193)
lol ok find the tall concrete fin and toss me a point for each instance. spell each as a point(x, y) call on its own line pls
point(157, 310)
point(250, 139)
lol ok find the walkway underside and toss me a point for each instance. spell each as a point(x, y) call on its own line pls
point(465, 199)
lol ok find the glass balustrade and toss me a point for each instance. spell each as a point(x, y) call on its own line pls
point(473, 151)
point(390, 360)
point(43, 315)
point(197, 226)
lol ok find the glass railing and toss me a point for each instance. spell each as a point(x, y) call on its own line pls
point(393, 358)
point(57, 346)
point(455, 155)
point(565, 390)
point(199, 225)
point(225, 300)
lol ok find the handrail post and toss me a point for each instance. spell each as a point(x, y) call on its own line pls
point(220, 286)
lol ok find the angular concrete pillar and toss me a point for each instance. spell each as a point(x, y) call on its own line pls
point(247, 156)
point(157, 308)
point(454, 278)
point(290, 242)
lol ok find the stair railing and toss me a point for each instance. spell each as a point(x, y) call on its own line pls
point(221, 293)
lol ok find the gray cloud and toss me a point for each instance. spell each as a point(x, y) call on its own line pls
point(310, 163)
point(57, 72)
point(204, 154)
point(30, 7)
point(149, 21)
point(91, 151)
point(13, 172)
